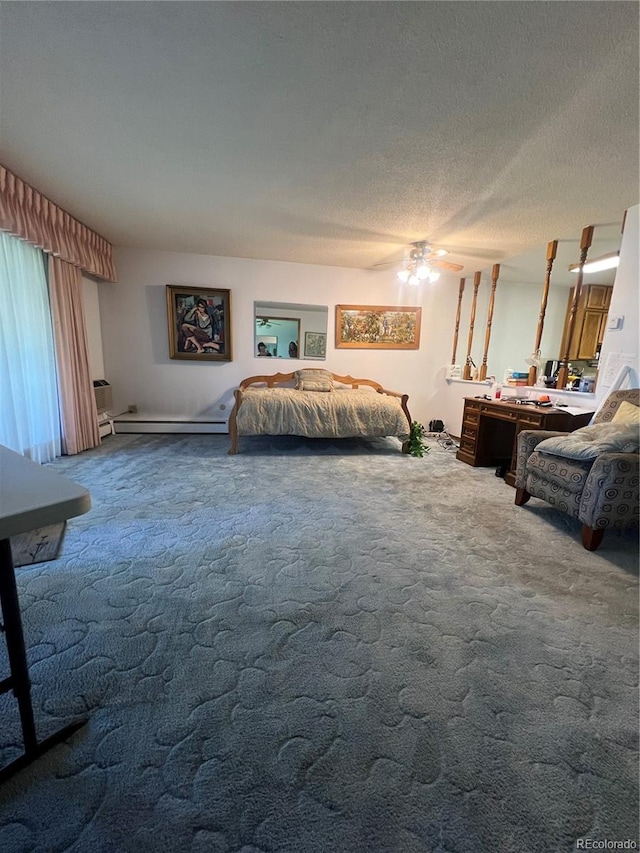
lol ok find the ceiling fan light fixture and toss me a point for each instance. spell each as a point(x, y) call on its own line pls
point(604, 262)
point(417, 273)
point(419, 266)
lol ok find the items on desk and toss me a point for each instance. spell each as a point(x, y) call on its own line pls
point(516, 379)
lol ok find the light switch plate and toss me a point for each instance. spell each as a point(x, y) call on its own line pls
point(615, 322)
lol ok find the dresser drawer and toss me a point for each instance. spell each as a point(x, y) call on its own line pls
point(469, 431)
point(529, 420)
point(501, 414)
point(471, 407)
point(471, 417)
point(467, 445)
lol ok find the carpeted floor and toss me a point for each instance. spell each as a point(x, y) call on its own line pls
point(323, 647)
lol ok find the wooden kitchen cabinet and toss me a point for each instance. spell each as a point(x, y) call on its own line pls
point(591, 322)
point(588, 342)
point(599, 296)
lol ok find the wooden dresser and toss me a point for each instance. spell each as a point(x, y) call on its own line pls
point(490, 430)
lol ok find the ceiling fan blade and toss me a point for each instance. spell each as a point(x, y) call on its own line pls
point(446, 265)
point(388, 263)
point(436, 253)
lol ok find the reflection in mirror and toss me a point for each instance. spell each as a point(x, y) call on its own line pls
point(517, 312)
point(290, 330)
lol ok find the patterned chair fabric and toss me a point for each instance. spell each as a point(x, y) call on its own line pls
point(559, 482)
point(613, 401)
point(610, 495)
point(601, 492)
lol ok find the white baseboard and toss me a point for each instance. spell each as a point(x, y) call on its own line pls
point(136, 423)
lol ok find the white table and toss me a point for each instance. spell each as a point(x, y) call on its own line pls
point(31, 496)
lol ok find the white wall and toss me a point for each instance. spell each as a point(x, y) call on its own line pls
point(624, 300)
point(514, 324)
point(134, 329)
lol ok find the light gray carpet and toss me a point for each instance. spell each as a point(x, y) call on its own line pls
point(323, 646)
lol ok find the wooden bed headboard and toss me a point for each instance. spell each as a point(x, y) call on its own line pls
point(280, 378)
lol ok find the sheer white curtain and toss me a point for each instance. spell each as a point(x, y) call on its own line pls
point(29, 413)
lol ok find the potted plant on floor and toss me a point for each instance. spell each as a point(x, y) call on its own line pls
point(414, 442)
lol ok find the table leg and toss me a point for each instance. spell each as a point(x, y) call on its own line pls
point(19, 680)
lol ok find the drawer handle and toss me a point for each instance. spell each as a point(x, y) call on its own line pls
point(502, 416)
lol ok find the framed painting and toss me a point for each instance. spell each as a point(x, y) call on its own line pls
point(199, 321)
point(377, 327)
point(315, 345)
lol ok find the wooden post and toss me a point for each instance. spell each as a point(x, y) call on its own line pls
point(585, 244)
point(472, 319)
point(457, 328)
point(552, 250)
point(495, 272)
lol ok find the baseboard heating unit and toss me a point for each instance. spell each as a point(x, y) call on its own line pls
point(140, 423)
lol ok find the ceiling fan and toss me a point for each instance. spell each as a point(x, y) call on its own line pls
point(265, 321)
point(421, 263)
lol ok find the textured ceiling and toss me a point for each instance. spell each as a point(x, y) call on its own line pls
point(325, 133)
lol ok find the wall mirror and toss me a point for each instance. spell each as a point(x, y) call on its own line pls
point(517, 307)
point(290, 330)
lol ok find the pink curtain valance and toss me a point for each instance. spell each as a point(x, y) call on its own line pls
point(26, 213)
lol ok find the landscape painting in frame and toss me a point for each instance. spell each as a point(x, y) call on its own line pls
point(377, 327)
point(199, 321)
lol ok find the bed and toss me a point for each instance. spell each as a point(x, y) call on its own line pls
point(317, 404)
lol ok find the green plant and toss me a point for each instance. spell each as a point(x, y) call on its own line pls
point(415, 440)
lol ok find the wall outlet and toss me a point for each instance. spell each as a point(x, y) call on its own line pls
point(133, 408)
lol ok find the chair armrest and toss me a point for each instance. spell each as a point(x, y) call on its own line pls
point(528, 440)
point(610, 495)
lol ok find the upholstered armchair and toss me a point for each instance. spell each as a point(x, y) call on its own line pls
point(592, 473)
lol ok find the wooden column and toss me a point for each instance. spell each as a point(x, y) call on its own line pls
point(552, 250)
point(585, 244)
point(495, 273)
point(457, 328)
point(472, 319)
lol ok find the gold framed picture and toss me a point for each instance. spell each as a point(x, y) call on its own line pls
point(199, 321)
point(377, 327)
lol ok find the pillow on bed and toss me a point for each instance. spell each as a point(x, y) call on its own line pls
point(314, 379)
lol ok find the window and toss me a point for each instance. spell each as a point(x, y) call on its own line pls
point(29, 414)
